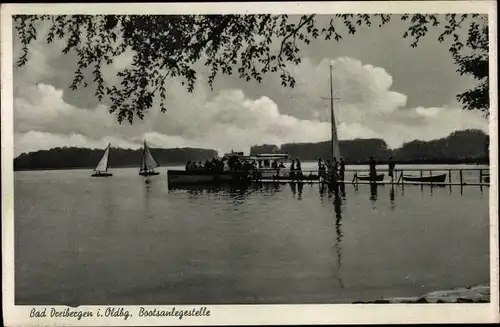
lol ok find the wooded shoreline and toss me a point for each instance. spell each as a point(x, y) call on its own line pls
point(462, 147)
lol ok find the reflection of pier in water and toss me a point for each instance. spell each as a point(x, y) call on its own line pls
point(338, 228)
point(369, 195)
point(297, 187)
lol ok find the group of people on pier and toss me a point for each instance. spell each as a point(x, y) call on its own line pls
point(331, 170)
point(235, 164)
point(214, 165)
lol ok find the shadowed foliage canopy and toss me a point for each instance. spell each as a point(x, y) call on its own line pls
point(248, 45)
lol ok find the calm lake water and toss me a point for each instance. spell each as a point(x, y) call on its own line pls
point(117, 240)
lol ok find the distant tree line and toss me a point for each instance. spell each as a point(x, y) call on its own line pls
point(469, 146)
point(71, 157)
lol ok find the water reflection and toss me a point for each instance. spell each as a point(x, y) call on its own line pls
point(108, 200)
point(239, 192)
point(373, 192)
point(301, 188)
point(342, 190)
point(338, 240)
point(391, 197)
point(322, 192)
point(147, 197)
point(233, 190)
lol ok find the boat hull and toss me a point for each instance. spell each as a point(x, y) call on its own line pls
point(426, 179)
point(378, 178)
point(149, 173)
point(176, 177)
point(303, 178)
point(101, 175)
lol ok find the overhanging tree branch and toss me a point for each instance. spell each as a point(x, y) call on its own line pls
point(175, 43)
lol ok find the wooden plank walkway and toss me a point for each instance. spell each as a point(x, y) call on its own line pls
point(287, 181)
point(455, 177)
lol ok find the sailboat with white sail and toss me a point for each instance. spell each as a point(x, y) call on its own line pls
point(148, 162)
point(335, 146)
point(102, 167)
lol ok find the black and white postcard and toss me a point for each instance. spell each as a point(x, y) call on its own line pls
point(249, 163)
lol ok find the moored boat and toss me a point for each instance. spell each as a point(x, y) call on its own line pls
point(378, 178)
point(177, 177)
point(101, 170)
point(486, 177)
point(148, 163)
point(426, 179)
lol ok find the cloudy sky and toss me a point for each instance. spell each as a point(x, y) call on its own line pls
point(388, 90)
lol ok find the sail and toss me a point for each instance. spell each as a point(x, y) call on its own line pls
point(148, 161)
point(103, 164)
point(335, 140)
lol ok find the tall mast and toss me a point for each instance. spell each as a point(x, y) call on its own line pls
point(335, 151)
point(332, 118)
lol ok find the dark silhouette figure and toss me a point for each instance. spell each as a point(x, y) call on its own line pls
point(392, 165)
point(341, 170)
point(373, 169)
point(292, 170)
point(298, 169)
point(335, 165)
point(321, 171)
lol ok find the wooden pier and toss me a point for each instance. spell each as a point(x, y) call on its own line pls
point(454, 177)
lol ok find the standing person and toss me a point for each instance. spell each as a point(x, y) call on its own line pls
point(292, 170)
point(373, 169)
point(298, 168)
point(392, 165)
point(335, 168)
point(341, 170)
point(320, 170)
point(329, 170)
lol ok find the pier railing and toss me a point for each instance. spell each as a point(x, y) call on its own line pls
point(454, 176)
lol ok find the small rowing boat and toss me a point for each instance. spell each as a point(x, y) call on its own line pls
point(182, 177)
point(426, 179)
point(378, 178)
